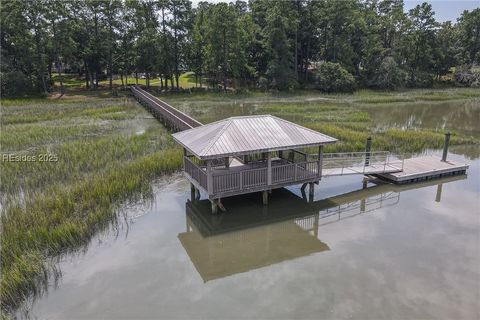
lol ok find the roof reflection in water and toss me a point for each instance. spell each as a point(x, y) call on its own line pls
point(251, 236)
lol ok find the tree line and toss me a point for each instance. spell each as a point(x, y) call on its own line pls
point(332, 45)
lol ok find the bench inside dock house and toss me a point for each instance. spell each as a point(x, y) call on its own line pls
point(248, 154)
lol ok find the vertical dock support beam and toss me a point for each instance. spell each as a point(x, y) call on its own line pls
point(438, 196)
point(269, 168)
point(445, 146)
point(368, 148)
point(311, 191)
point(265, 197)
point(192, 192)
point(320, 161)
point(209, 177)
point(214, 206)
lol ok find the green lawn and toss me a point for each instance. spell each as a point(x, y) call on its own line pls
point(186, 80)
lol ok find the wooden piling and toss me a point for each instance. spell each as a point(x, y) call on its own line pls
point(311, 191)
point(214, 206)
point(438, 196)
point(445, 146)
point(192, 192)
point(368, 148)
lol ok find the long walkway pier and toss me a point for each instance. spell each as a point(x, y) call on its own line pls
point(170, 116)
point(240, 155)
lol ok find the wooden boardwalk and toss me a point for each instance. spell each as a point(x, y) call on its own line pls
point(172, 117)
point(424, 168)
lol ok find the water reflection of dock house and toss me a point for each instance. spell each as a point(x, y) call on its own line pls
point(250, 236)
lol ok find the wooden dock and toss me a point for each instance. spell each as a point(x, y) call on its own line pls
point(241, 155)
point(424, 168)
point(170, 116)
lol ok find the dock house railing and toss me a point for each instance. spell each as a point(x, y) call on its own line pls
point(228, 180)
point(196, 172)
point(241, 179)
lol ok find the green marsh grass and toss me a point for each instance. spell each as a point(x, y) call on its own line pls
point(108, 149)
point(343, 116)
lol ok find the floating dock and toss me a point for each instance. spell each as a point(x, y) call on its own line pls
point(424, 168)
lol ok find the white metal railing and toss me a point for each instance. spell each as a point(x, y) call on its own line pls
point(359, 162)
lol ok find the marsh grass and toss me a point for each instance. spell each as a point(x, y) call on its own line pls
point(341, 116)
point(38, 112)
point(109, 150)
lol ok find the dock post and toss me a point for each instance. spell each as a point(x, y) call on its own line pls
point(265, 197)
point(311, 191)
point(192, 192)
point(445, 146)
point(363, 201)
point(209, 177)
point(214, 206)
point(320, 160)
point(269, 169)
point(438, 196)
point(368, 147)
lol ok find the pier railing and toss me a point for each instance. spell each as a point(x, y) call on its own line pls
point(343, 163)
point(176, 119)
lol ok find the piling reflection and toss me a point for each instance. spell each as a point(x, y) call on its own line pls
point(251, 236)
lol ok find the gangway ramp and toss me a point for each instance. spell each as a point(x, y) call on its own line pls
point(346, 163)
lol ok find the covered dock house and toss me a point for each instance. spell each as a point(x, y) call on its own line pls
point(248, 154)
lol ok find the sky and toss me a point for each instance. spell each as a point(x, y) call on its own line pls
point(444, 9)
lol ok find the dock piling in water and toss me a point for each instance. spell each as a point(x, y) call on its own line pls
point(445, 146)
point(265, 197)
point(368, 148)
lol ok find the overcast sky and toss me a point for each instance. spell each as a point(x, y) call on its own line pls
point(444, 9)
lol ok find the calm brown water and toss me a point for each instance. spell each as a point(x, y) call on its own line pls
point(376, 253)
point(458, 116)
point(384, 252)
